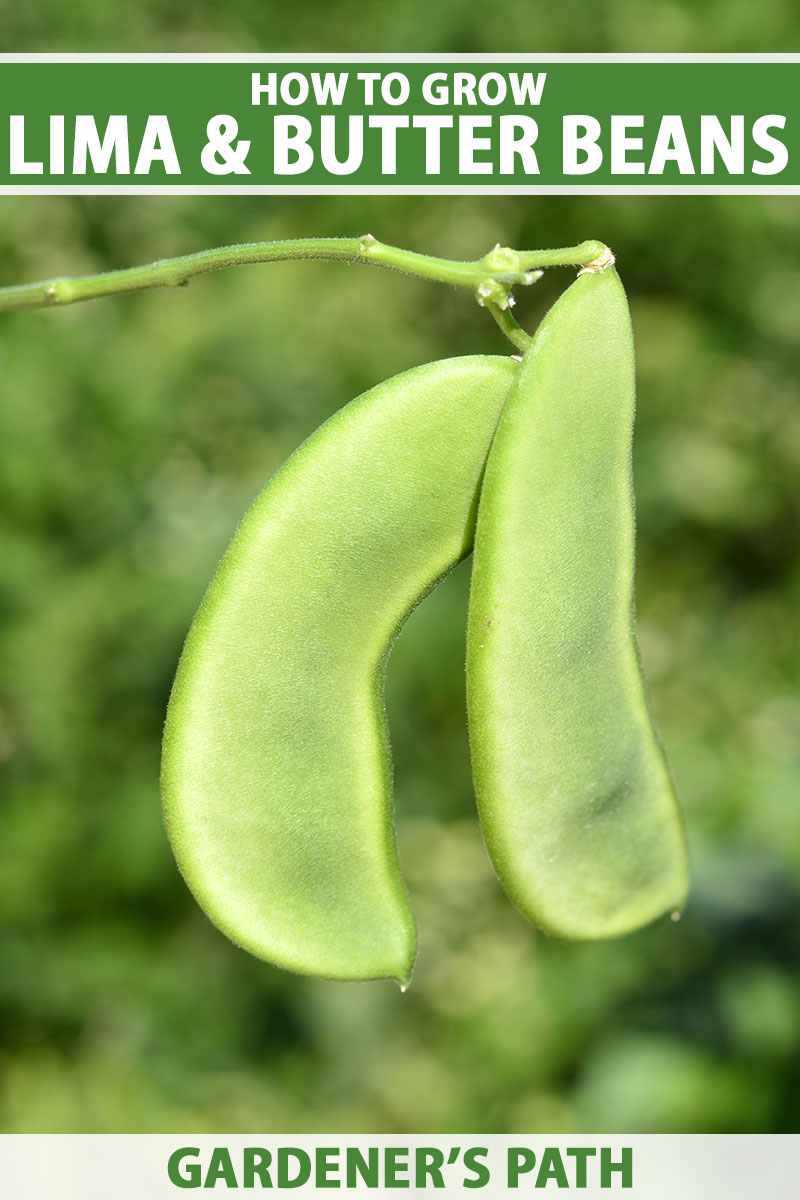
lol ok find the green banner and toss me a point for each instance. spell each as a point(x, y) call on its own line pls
point(415, 123)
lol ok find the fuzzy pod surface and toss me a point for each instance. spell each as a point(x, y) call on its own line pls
point(575, 798)
point(276, 773)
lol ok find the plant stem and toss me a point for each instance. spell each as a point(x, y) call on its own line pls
point(491, 277)
point(510, 326)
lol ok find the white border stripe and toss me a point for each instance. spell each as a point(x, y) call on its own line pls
point(395, 58)
point(400, 190)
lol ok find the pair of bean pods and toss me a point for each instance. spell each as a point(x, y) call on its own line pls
point(276, 766)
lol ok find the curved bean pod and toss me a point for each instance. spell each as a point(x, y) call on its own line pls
point(276, 774)
point(575, 798)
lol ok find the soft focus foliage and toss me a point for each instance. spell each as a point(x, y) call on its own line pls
point(408, 26)
point(134, 432)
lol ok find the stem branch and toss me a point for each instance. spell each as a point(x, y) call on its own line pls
point(510, 327)
point(491, 277)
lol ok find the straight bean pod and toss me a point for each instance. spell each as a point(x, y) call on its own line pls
point(575, 798)
point(276, 774)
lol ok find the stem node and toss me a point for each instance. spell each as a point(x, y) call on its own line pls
point(491, 278)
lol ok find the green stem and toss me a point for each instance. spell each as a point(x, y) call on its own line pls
point(491, 277)
point(510, 326)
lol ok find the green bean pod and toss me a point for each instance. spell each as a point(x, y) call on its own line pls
point(276, 773)
point(575, 798)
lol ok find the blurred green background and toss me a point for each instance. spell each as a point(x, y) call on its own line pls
point(134, 432)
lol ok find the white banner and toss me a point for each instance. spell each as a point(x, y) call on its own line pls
point(163, 1166)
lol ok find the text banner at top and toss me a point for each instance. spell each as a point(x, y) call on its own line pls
point(419, 124)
